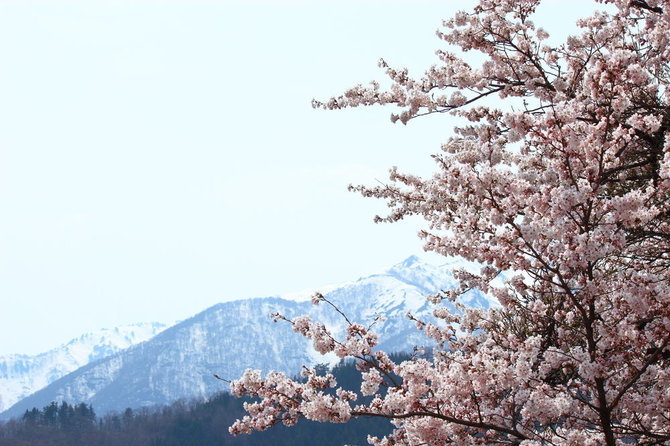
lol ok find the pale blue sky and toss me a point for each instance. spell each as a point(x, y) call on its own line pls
point(157, 157)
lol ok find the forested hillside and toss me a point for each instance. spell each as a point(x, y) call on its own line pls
point(184, 423)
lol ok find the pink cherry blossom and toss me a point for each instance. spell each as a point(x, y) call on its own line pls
point(569, 196)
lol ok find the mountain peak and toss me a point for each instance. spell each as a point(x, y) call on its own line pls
point(409, 262)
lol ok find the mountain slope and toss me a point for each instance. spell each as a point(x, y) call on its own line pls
point(21, 375)
point(232, 336)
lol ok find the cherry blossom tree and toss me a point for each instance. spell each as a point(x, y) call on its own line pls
point(563, 182)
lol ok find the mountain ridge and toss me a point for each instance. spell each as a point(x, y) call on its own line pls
point(231, 336)
point(22, 375)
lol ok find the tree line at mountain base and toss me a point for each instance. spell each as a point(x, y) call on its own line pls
point(183, 423)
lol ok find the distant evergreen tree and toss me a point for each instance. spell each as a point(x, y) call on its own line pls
point(84, 417)
point(50, 414)
point(65, 416)
point(128, 417)
point(32, 417)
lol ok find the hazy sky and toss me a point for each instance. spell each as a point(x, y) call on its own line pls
point(159, 157)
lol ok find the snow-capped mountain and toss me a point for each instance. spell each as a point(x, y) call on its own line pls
point(22, 375)
point(230, 337)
